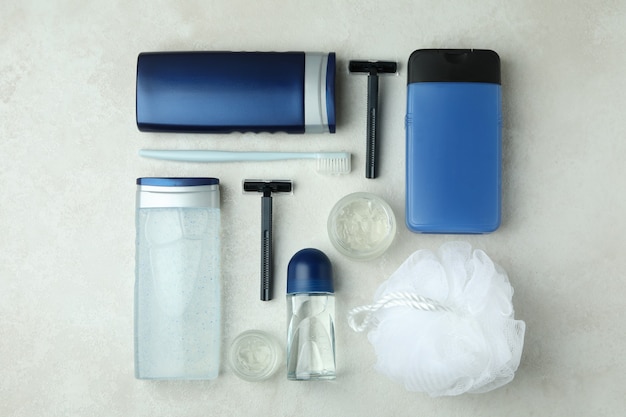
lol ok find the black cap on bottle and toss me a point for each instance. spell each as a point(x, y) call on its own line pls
point(454, 65)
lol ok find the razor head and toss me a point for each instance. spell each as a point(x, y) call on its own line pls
point(373, 67)
point(267, 187)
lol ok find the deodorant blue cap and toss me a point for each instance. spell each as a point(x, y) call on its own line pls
point(309, 271)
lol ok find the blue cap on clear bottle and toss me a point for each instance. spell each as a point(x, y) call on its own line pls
point(311, 316)
point(309, 271)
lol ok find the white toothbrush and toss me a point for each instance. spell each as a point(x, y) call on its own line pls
point(327, 162)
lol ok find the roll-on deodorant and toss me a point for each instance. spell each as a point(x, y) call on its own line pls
point(311, 317)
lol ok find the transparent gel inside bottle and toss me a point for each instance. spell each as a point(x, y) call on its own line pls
point(177, 286)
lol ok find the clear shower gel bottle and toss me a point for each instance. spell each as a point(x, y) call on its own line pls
point(311, 317)
point(177, 278)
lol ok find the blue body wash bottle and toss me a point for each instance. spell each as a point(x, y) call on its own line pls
point(453, 141)
point(219, 92)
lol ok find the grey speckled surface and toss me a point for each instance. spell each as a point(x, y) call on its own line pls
point(68, 161)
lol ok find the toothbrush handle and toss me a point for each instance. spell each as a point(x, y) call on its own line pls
point(371, 160)
point(221, 156)
point(266, 248)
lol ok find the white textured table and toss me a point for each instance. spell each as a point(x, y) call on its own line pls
point(68, 162)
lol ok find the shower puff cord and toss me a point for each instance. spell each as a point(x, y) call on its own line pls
point(394, 299)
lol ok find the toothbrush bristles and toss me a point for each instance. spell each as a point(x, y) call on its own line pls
point(334, 164)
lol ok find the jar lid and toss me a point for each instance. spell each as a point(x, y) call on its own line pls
point(255, 355)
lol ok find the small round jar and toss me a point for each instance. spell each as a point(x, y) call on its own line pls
point(254, 355)
point(361, 226)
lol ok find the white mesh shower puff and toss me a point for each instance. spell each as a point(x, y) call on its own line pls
point(444, 323)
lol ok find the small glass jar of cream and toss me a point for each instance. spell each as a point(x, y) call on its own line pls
point(255, 355)
point(361, 226)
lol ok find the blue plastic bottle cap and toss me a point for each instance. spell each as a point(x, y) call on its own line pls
point(177, 182)
point(309, 271)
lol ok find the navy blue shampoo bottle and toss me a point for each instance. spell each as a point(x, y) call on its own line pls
point(453, 141)
point(224, 92)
